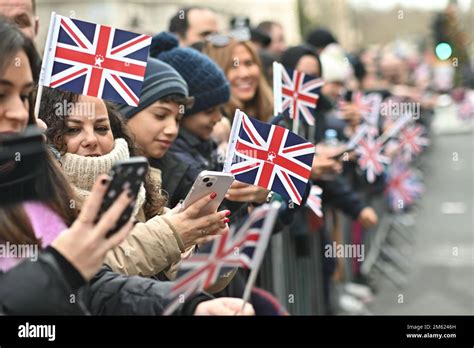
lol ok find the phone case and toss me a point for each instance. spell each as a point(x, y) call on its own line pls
point(125, 174)
point(206, 183)
point(23, 169)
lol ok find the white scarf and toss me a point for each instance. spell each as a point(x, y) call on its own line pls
point(83, 171)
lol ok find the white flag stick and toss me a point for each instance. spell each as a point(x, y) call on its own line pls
point(376, 101)
point(39, 94)
point(236, 123)
point(396, 127)
point(260, 251)
point(277, 94)
point(47, 64)
point(296, 123)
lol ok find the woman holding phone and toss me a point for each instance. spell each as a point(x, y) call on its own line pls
point(76, 253)
point(90, 138)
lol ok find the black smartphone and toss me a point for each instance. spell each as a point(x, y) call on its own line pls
point(125, 174)
point(348, 96)
point(23, 167)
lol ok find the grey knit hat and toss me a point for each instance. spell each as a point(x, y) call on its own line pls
point(160, 80)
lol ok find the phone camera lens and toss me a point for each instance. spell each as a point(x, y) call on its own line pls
point(209, 184)
point(205, 179)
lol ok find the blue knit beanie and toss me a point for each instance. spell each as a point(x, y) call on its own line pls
point(206, 80)
point(160, 81)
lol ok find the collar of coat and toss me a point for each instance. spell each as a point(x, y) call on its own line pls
point(205, 147)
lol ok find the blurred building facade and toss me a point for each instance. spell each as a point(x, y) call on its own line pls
point(152, 16)
point(353, 26)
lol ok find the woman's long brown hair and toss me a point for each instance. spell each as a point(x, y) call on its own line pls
point(261, 106)
point(15, 226)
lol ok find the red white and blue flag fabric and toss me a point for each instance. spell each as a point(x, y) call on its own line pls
point(371, 158)
point(411, 141)
point(298, 93)
point(403, 187)
point(241, 247)
point(314, 200)
point(359, 100)
point(269, 156)
point(95, 60)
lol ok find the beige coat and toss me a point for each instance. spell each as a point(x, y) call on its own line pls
point(152, 246)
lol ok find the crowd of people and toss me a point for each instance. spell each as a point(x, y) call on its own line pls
point(196, 77)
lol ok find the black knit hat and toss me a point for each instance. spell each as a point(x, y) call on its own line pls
point(292, 56)
point(320, 38)
point(206, 80)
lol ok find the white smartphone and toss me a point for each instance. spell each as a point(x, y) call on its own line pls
point(206, 183)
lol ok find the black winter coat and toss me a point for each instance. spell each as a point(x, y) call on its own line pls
point(52, 286)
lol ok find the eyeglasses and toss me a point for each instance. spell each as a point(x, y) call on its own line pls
point(220, 40)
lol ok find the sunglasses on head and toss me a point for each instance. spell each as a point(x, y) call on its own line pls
point(221, 40)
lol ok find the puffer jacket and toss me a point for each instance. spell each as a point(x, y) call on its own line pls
point(52, 286)
point(43, 287)
point(174, 180)
point(197, 153)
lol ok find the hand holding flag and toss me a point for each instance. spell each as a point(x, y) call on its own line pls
point(243, 247)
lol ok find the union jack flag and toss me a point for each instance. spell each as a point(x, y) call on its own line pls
point(95, 60)
point(299, 94)
point(243, 247)
point(314, 200)
point(371, 158)
point(403, 186)
point(369, 108)
point(269, 156)
point(358, 100)
point(411, 141)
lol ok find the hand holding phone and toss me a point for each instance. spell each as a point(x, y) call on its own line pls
point(126, 175)
point(206, 183)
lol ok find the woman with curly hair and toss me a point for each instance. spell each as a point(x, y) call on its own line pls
point(90, 138)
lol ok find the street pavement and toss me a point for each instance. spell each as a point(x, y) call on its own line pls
point(441, 279)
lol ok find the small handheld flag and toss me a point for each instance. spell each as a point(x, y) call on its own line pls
point(269, 156)
point(243, 247)
point(314, 200)
point(95, 60)
point(371, 158)
point(403, 186)
point(295, 94)
point(412, 141)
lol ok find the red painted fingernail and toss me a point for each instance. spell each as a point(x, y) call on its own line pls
point(213, 195)
point(226, 220)
point(227, 213)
